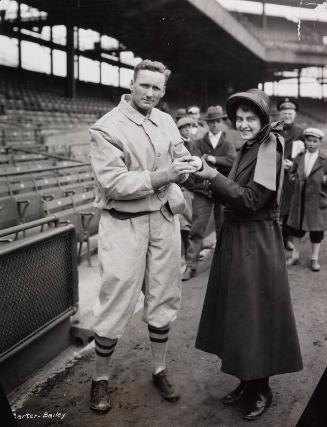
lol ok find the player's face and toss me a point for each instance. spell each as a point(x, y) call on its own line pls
point(247, 123)
point(288, 116)
point(146, 90)
point(312, 143)
point(185, 131)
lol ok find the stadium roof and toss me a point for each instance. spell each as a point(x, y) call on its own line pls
point(199, 40)
point(206, 47)
point(295, 3)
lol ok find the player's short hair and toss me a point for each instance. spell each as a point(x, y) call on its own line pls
point(147, 64)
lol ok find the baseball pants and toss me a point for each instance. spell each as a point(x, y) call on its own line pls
point(137, 254)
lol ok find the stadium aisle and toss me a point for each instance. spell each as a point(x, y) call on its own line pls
point(136, 402)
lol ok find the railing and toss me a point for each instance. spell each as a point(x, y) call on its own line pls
point(38, 287)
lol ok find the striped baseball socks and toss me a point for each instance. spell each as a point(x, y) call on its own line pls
point(158, 342)
point(104, 348)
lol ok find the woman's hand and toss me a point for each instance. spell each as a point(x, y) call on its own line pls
point(207, 172)
point(210, 159)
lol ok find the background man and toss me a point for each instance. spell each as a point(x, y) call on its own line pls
point(220, 153)
point(137, 157)
point(184, 125)
point(198, 129)
point(293, 136)
point(181, 112)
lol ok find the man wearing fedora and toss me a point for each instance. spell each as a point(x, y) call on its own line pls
point(220, 153)
point(293, 137)
point(181, 112)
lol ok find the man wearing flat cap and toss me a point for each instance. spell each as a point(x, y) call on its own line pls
point(220, 153)
point(293, 137)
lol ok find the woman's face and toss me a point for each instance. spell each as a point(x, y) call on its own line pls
point(248, 123)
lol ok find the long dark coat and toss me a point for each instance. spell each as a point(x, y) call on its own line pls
point(247, 317)
point(290, 134)
point(308, 209)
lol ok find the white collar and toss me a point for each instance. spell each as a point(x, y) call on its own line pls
point(212, 136)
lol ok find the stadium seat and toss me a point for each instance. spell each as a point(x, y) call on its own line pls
point(9, 215)
point(64, 210)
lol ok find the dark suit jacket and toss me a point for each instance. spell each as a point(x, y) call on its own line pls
point(290, 134)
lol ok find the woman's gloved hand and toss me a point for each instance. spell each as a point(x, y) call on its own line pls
point(206, 172)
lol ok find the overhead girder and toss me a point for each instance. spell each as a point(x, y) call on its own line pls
point(180, 33)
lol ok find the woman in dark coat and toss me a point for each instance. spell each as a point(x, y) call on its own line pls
point(308, 211)
point(247, 317)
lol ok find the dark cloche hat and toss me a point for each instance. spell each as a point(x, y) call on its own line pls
point(257, 97)
point(287, 104)
point(215, 113)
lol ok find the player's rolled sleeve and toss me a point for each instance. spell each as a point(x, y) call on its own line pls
point(111, 172)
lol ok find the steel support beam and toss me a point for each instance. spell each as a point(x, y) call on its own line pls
point(77, 55)
point(264, 16)
point(70, 51)
point(214, 11)
point(51, 52)
point(19, 35)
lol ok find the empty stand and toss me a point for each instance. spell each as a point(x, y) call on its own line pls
point(64, 191)
point(32, 103)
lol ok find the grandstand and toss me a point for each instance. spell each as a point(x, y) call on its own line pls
point(44, 168)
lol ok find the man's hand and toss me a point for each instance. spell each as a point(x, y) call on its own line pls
point(207, 172)
point(176, 172)
point(288, 164)
point(180, 167)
